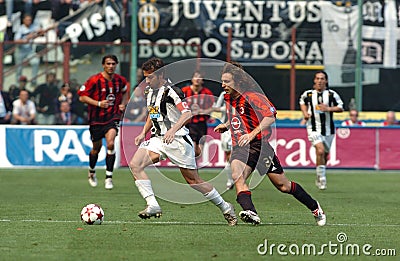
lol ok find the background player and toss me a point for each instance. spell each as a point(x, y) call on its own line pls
point(106, 95)
point(200, 100)
point(318, 106)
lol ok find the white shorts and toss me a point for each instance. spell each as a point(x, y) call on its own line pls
point(226, 141)
point(316, 137)
point(179, 152)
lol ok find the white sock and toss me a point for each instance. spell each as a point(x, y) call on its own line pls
point(216, 198)
point(321, 171)
point(109, 173)
point(146, 190)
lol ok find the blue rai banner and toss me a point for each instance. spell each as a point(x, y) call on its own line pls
point(47, 146)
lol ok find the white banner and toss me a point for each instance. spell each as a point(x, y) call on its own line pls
point(339, 39)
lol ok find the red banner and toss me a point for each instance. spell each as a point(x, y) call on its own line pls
point(372, 148)
point(389, 148)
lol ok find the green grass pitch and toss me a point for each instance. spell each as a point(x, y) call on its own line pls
point(39, 220)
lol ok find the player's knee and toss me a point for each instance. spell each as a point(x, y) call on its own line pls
point(235, 176)
point(320, 152)
point(110, 145)
point(135, 167)
point(95, 151)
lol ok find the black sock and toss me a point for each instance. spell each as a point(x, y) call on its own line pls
point(110, 160)
point(93, 160)
point(244, 200)
point(301, 195)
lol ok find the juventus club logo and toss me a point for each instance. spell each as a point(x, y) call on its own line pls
point(148, 17)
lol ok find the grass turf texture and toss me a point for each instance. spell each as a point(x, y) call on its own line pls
point(40, 219)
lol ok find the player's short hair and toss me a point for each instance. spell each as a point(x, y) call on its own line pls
point(153, 64)
point(110, 56)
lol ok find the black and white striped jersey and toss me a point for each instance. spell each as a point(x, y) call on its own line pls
point(165, 106)
point(321, 122)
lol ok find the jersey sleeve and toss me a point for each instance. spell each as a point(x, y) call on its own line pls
point(303, 98)
point(210, 99)
point(337, 99)
point(84, 90)
point(125, 84)
point(178, 97)
point(262, 105)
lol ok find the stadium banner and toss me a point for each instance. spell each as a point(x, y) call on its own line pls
point(389, 148)
point(261, 32)
point(357, 148)
point(96, 22)
point(46, 146)
point(339, 42)
point(69, 146)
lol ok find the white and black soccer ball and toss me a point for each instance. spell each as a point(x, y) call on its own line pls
point(92, 214)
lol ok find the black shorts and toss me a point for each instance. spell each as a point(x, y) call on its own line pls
point(262, 158)
point(97, 132)
point(197, 131)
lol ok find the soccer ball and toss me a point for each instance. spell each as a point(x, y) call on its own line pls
point(92, 214)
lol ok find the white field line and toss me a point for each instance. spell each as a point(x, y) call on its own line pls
point(195, 223)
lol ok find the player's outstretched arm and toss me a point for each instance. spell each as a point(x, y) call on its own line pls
point(220, 128)
point(146, 128)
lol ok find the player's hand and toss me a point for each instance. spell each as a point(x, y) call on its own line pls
point(195, 108)
point(122, 107)
point(169, 136)
point(323, 107)
point(139, 139)
point(245, 140)
point(220, 128)
point(103, 104)
point(306, 117)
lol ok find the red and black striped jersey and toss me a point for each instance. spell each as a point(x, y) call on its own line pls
point(204, 99)
point(99, 88)
point(246, 112)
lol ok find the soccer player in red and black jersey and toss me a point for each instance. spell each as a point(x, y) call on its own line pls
point(200, 100)
point(250, 119)
point(106, 95)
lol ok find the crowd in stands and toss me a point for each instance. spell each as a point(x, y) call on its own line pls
point(59, 8)
point(51, 102)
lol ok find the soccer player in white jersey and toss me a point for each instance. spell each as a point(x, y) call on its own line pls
point(168, 114)
point(318, 106)
point(226, 139)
